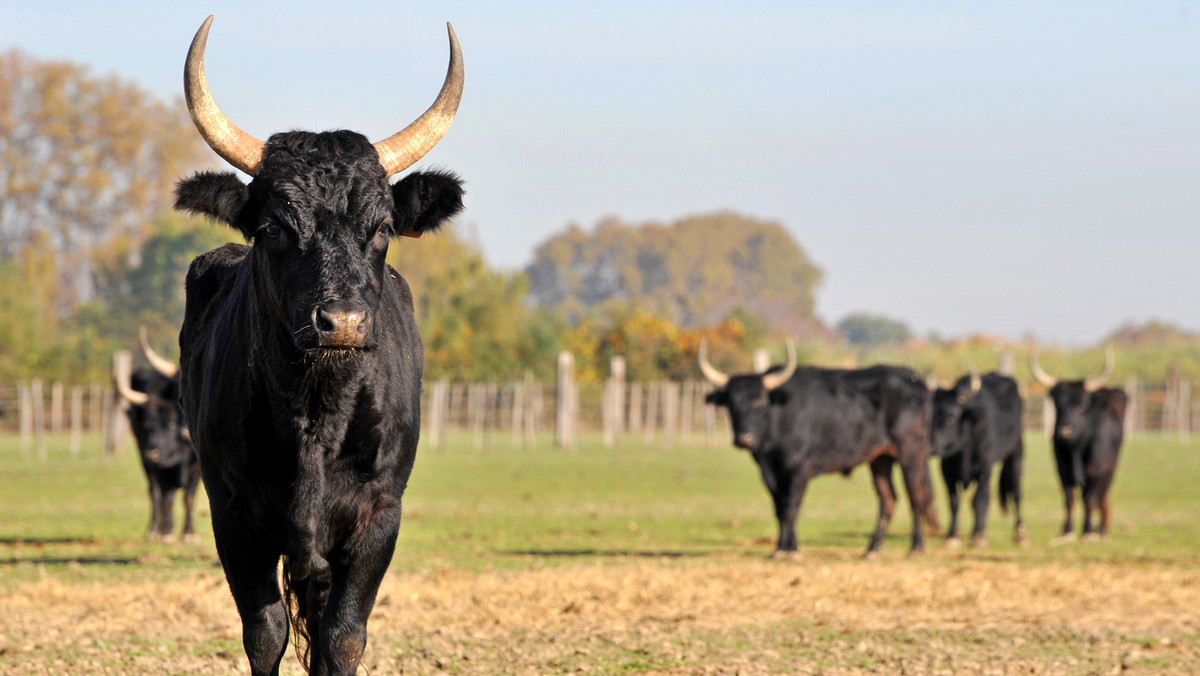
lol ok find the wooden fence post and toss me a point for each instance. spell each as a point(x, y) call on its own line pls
point(39, 417)
point(650, 421)
point(118, 422)
point(1047, 416)
point(56, 408)
point(533, 410)
point(26, 406)
point(670, 412)
point(1185, 409)
point(1133, 409)
point(614, 402)
point(635, 408)
point(687, 409)
point(564, 429)
point(76, 420)
point(95, 419)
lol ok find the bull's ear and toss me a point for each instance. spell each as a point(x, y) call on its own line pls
point(220, 196)
point(424, 200)
point(717, 397)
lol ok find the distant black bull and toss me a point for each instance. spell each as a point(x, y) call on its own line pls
point(1089, 426)
point(800, 422)
point(302, 366)
point(977, 424)
point(164, 445)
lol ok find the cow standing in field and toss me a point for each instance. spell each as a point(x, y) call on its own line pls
point(800, 422)
point(977, 424)
point(302, 366)
point(1089, 426)
point(164, 445)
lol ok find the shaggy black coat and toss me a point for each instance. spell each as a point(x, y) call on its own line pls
point(832, 420)
point(972, 433)
point(166, 453)
point(1088, 430)
point(306, 450)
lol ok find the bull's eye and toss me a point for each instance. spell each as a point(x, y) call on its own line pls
point(273, 231)
point(384, 230)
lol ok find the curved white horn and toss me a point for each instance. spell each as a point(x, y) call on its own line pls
point(711, 374)
point(402, 149)
point(1041, 376)
point(164, 366)
point(773, 381)
point(225, 138)
point(1096, 382)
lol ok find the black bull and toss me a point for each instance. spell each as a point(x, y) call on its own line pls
point(977, 424)
point(1089, 427)
point(164, 445)
point(800, 422)
point(302, 366)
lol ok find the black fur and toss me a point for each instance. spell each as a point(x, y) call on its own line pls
point(306, 445)
point(166, 452)
point(1089, 428)
point(831, 420)
point(972, 434)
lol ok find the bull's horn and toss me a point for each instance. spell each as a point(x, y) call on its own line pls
point(773, 381)
point(225, 138)
point(402, 149)
point(164, 366)
point(976, 382)
point(711, 374)
point(1041, 376)
point(1096, 382)
point(131, 395)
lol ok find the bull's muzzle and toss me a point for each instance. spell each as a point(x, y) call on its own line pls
point(340, 327)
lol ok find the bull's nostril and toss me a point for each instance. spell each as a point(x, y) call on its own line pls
point(338, 327)
point(322, 322)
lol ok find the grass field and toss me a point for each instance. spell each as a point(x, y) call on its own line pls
point(623, 561)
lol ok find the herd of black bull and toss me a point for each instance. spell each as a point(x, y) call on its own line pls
point(300, 381)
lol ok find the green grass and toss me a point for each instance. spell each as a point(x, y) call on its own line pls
point(508, 508)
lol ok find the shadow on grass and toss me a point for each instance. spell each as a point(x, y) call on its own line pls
point(569, 553)
point(40, 542)
point(73, 560)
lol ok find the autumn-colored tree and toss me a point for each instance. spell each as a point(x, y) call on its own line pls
point(693, 272)
point(83, 159)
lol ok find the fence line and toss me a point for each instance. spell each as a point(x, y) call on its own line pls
point(656, 413)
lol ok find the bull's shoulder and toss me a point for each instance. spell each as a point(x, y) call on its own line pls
point(1111, 400)
point(401, 286)
point(209, 278)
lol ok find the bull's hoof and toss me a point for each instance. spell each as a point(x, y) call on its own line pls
point(1096, 537)
point(168, 539)
point(191, 539)
point(953, 543)
point(781, 555)
point(1064, 539)
point(978, 541)
point(1021, 537)
point(871, 555)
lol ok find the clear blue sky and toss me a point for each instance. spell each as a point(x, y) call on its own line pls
point(964, 166)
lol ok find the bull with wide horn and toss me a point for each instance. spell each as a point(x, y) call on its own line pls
point(1090, 384)
point(770, 380)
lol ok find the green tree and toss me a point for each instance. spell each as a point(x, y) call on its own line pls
point(868, 330)
point(693, 272)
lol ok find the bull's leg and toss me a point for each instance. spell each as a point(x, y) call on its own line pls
point(166, 521)
point(1010, 484)
point(881, 473)
point(154, 530)
point(189, 504)
point(252, 571)
point(950, 472)
point(920, 493)
point(979, 504)
point(1095, 500)
point(788, 511)
point(356, 574)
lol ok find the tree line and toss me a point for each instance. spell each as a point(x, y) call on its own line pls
point(90, 251)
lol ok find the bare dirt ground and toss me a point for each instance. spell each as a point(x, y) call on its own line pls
point(819, 615)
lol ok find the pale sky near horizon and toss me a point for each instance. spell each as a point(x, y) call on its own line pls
point(1015, 168)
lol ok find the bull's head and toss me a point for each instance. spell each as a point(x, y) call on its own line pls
point(319, 211)
point(1071, 396)
point(954, 409)
point(748, 397)
point(155, 416)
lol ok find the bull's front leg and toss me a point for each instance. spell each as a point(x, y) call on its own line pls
point(787, 511)
point(881, 475)
point(983, 494)
point(951, 472)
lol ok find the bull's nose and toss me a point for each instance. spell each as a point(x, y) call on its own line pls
point(341, 326)
point(745, 440)
point(1065, 431)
